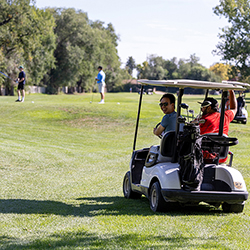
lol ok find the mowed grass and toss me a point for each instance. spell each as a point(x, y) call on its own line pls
point(62, 163)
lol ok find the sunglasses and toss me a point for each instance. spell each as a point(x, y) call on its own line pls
point(165, 104)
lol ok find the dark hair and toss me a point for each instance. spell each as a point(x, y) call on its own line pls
point(100, 67)
point(213, 103)
point(171, 97)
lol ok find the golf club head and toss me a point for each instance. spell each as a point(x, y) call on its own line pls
point(184, 105)
point(181, 119)
point(191, 112)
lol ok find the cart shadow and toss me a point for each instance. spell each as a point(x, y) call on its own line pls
point(94, 206)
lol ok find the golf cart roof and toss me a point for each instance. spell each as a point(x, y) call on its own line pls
point(184, 83)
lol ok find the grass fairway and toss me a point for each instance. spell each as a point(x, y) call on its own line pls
point(62, 163)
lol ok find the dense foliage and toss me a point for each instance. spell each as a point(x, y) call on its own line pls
point(82, 46)
point(26, 38)
point(234, 45)
point(159, 69)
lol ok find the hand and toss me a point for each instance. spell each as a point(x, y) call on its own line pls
point(154, 130)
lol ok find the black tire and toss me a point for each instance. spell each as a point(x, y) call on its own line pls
point(127, 191)
point(244, 122)
point(157, 202)
point(232, 208)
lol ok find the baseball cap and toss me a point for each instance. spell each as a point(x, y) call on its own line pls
point(210, 102)
point(20, 67)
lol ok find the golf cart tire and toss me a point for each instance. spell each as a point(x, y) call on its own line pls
point(232, 208)
point(157, 202)
point(244, 122)
point(127, 190)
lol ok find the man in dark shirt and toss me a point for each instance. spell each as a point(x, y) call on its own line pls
point(21, 83)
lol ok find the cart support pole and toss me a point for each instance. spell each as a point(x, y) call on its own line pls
point(177, 128)
point(180, 94)
point(222, 112)
point(206, 94)
point(138, 117)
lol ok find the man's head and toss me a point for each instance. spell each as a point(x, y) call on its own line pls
point(209, 105)
point(20, 67)
point(100, 68)
point(167, 103)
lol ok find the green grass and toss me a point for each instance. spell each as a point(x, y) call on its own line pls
point(62, 163)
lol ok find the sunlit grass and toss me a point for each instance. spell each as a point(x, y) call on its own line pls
point(62, 163)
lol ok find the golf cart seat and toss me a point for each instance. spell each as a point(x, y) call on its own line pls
point(162, 153)
point(216, 148)
point(167, 144)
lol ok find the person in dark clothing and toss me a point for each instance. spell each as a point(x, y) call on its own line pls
point(21, 83)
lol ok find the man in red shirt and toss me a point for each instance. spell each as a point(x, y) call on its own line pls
point(210, 119)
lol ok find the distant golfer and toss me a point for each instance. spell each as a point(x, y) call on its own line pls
point(101, 82)
point(21, 83)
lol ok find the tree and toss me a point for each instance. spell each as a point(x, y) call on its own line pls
point(130, 65)
point(172, 67)
point(39, 57)
point(153, 68)
point(222, 70)
point(26, 37)
point(83, 45)
point(234, 46)
point(200, 72)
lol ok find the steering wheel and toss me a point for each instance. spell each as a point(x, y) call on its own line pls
point(157, 125)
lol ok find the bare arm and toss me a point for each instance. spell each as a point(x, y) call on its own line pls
point(232, 101)
point(157, 131)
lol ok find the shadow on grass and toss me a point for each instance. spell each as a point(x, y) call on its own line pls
point(94, 206)
point(85, 240)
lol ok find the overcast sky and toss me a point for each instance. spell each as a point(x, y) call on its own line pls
point(167, 28)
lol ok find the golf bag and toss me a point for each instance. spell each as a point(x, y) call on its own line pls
point(191, 158)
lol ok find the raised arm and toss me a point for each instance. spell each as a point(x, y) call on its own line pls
point(232, 101)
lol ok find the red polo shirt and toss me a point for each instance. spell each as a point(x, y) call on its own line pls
point(210, 123)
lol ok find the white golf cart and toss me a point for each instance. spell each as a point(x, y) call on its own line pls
point(241, 115)
point(175, 172)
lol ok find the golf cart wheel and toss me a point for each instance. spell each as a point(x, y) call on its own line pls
point(232, 208)
point(127, 191)
point(157, 202)
point(244, 122)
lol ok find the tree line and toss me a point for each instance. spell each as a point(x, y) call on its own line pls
point(158, 68)
point(62, 47)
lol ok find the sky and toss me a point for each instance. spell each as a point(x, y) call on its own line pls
point(166, 28)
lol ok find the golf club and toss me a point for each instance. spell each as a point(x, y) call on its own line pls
point(185, 106)
point(8, 77)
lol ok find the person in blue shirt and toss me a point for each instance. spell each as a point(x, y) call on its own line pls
point(101, 83)
point(20, 87)
point(168, 122)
